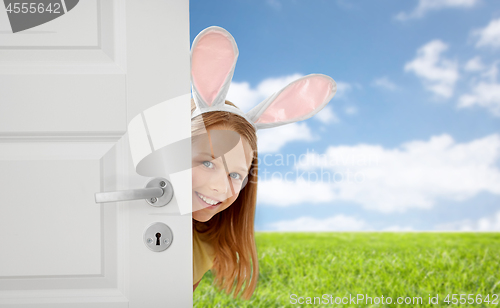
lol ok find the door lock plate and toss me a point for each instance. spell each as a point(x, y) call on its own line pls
point(158, 237)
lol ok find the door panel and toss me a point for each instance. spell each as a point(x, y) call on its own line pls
point(61, 103)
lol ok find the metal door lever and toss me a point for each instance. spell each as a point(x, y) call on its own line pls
point(158, 192)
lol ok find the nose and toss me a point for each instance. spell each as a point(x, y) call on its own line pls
point(220, 184)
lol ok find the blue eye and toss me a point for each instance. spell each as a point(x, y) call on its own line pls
point(208, 164)
point(235, 176)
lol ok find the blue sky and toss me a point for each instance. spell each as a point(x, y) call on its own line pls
point(411, 140)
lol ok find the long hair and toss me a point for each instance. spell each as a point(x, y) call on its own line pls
point(231, 231)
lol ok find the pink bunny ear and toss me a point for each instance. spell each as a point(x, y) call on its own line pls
point(298, 101)
point(213, 58)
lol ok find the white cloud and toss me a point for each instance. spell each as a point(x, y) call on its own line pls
point(338, 222)
point(491, 73)
point(334, 223)
point(276, 4)
point(485, 93)
point(474, 65)
point(425, 6)
point(342, 89)
point(326, 116)
point(351, 110)
point(488, 36)
point(272, 140)
point(414, 175)
point(246, 97)
point(243, 96)
point(436, 72)
point(385, 83)
point(346, 4)
point(490, 223)
point(279, 191)
point(397, 228)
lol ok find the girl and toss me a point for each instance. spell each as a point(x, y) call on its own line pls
point(225, 231)
point(225, 161)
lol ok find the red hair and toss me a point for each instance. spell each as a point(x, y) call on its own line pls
point(231, 231)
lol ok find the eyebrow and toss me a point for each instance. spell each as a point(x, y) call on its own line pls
point(242, 169)
point(205, 153)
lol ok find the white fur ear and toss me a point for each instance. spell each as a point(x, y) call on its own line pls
point(213, 58)
point(299, 100)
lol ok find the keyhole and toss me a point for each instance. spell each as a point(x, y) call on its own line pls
point(158, 235)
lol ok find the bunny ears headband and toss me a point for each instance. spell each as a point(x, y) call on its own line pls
point(213, 59)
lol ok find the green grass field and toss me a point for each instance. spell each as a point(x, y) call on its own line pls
point(370, 263)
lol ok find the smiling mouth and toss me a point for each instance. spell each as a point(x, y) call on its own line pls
point(209, 202)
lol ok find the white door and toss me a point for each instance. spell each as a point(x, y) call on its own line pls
point(68, 90)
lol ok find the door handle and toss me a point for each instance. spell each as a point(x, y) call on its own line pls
point(158, 192)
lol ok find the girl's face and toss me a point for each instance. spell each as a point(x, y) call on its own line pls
point(220, 165)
